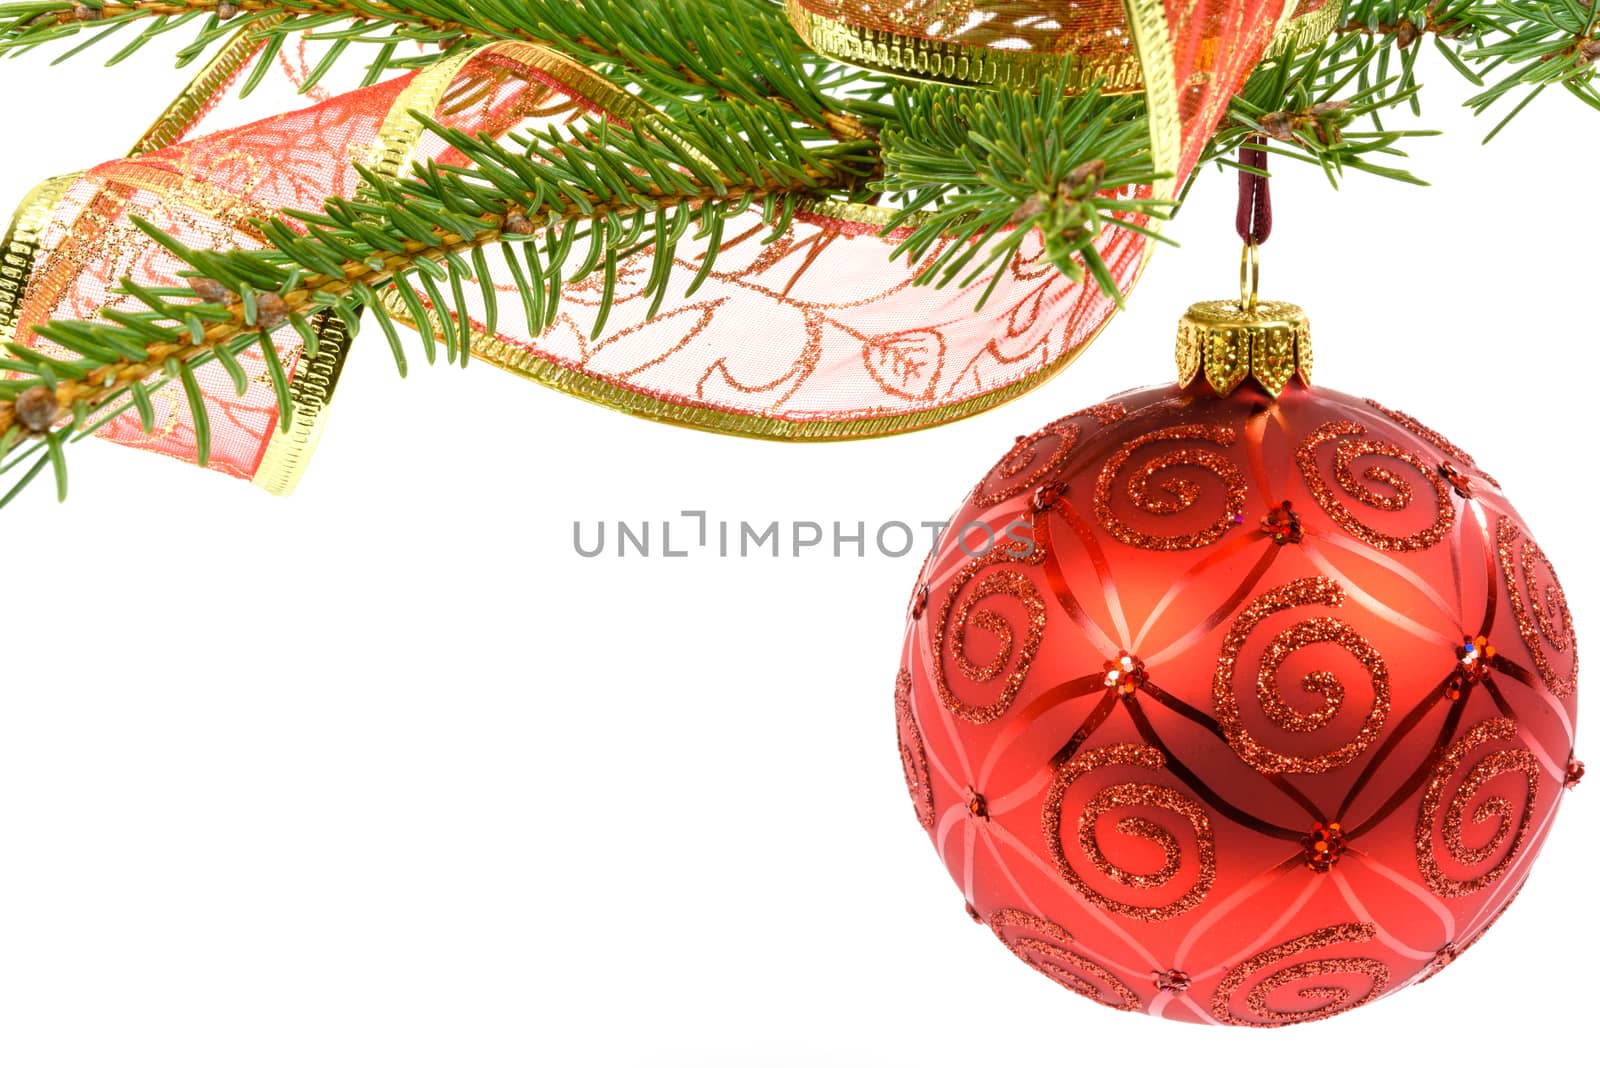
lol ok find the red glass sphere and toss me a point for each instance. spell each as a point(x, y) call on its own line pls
point(1237, 709)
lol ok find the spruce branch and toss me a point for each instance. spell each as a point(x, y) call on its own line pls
point(985, 169)
point(1539, 45)
point(747, 117)
point(1521, 44)
point(548, 200)
point(1322, 107)
point(1327, 106)
point(1389, 35)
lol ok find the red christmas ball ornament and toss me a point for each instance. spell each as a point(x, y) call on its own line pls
point(1238, 702)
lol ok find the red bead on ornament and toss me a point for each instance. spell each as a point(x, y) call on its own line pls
point(1324, 846)
point(1271, 719)
point(1283, 525)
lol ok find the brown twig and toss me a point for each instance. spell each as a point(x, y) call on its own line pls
point(1407, 33)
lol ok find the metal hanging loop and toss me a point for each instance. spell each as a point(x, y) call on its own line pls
point(1249, 275)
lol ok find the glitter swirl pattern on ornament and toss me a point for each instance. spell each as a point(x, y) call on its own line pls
point(1290, 728)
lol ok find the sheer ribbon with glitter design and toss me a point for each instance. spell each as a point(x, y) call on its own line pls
point(820, 335)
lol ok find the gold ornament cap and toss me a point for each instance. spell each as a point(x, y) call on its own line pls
point(1229, 341)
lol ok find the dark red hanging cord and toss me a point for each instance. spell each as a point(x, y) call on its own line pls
point(1254, 221)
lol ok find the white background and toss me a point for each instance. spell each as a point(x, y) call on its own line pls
point(385, 774)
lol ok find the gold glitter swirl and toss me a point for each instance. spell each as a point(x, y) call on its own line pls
point(1328, 998)
point(1321, 630)
point(1326, 683)
point(1432, 437)
point(1105, 413)
point(1396, 494)
point(1174, 495)
point(960, 615)
point(1496, 807)
point(913, 756)
point(1031, 461)
point(1126, 796)
point(1543, 618)
point(1043, 948)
